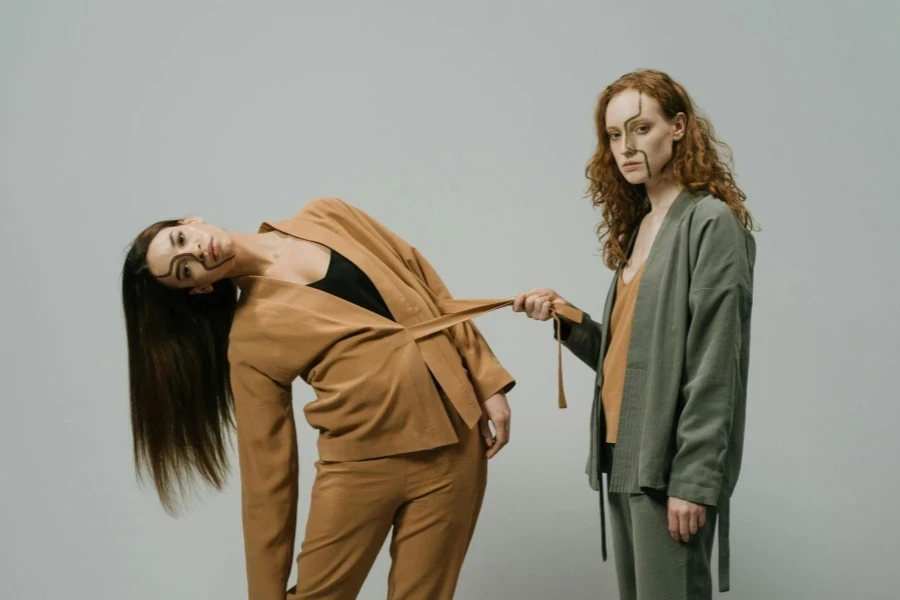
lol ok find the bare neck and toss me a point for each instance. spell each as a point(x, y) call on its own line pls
point(254, 253)
point(662, 194)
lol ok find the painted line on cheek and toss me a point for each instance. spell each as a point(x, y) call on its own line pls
point(627, 123)
point(191, 255)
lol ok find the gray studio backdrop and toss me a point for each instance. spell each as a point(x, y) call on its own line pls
point(465, 127)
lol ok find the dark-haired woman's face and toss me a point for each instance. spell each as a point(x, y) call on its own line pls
point(191, 255)
point(640, 137)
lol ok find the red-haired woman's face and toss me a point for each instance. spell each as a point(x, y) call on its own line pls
point(640, 137)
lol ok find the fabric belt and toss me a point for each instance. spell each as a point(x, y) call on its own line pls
point(459, 311)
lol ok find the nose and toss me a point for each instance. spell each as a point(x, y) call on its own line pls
point(200, 253)
point(624, 147)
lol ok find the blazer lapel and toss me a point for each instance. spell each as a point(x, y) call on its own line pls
point(300, 228)
point(651, 279)
point(608, 308)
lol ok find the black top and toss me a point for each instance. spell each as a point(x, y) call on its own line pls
point(348, 282)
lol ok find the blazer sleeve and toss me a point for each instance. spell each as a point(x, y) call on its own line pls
point(582, 339)
point(719, 302)
point(267, 452)
point(488, 377)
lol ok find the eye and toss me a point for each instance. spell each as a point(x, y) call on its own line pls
point(614, 135)
point(643, 129)
point(186, 271)
point(180, 239)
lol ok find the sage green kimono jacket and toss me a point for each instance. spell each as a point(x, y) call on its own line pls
point(681, 426)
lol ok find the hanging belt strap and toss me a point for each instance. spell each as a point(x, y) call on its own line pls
point(459, 311)
point(724, 508)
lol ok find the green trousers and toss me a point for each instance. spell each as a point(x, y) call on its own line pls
point(650, 565)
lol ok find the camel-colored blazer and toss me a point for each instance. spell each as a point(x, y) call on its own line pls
point(374, 393)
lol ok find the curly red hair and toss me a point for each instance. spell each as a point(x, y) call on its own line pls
point(696, 164)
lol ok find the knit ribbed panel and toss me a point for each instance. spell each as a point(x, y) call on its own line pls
point(628, 441)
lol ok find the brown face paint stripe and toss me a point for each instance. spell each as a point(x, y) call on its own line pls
point(627, 129)
point(184, 254)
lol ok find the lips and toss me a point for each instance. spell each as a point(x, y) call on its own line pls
point(212, 250)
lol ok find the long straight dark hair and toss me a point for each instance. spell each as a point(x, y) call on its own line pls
point(182, 409)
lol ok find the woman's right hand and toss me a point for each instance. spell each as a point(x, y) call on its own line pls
point(537, 303)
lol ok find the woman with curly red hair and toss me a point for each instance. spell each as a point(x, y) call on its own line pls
point(671, 352)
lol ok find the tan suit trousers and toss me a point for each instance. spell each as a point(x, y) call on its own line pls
point(431, 500)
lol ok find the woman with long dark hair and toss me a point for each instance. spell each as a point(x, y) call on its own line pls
point(402, 379)
point(671, 353)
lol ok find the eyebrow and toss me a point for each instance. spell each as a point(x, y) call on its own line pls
point(635, 121)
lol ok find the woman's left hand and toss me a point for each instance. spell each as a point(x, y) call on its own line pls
point(496, 411)
point(685, 519)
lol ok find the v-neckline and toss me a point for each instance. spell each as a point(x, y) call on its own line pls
point(662, 227)
point(270, 281)
point(298, 227)
point(639, 269)
point(313, 284)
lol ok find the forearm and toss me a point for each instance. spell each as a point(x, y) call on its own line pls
point(269, 480)
point(582, 339)
point(487, 375)
point(267, 452)
point(710, 391)
point(268, 558)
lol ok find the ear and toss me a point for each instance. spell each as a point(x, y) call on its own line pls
point(201, 289)
point(680, 125)
point(192, 221)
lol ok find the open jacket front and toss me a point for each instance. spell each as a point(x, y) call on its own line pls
point(681, 426)
point(372, 377)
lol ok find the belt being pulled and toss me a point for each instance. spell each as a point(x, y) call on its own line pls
point(459, 311)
